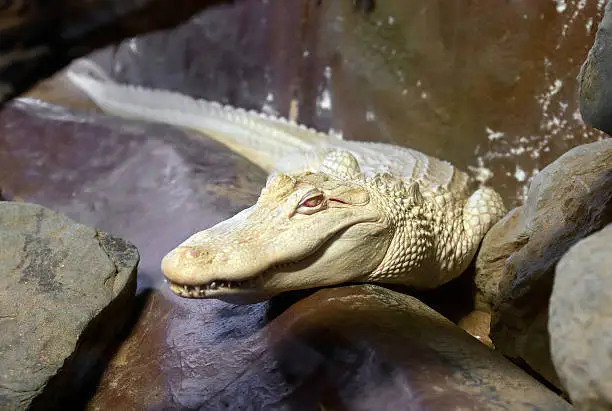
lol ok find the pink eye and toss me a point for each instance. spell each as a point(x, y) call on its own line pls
point(313, 202)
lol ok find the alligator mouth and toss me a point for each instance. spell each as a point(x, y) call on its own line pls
point(216, 287)
point(204, 290)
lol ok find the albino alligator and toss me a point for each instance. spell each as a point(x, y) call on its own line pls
point(333, 211)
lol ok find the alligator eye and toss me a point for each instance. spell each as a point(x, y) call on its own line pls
point(313, 202)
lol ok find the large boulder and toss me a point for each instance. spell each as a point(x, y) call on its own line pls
point(360, 347)
point(65, 295)
point(580, 321)
point(567, 201)
point(596, 77)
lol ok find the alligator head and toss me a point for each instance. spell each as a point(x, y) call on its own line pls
point(306, 230)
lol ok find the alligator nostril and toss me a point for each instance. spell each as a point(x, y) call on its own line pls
point(191, 253)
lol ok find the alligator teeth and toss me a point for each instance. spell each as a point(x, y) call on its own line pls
point(196, 291)
point(200, 290)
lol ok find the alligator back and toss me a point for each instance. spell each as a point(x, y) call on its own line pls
point(373, 158)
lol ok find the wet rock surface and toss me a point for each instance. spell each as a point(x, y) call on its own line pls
point(567, 201)
point(581, 319)
point(66, 292)
point(357, 347)
point(596, 77)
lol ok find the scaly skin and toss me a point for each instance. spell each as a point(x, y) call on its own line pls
point(332, 211)
point(381, 229)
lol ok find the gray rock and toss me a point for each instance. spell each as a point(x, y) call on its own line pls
point(567, 200)
point(596, 78)
point(65, 292)
point(580, 321)
point(501, 241)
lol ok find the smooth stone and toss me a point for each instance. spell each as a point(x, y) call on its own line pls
point(359, 347)
point(580, 321)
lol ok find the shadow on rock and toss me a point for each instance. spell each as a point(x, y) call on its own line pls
point(366, 348)
point(96, 348)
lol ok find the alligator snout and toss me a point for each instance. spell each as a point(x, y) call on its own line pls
point(184, 264)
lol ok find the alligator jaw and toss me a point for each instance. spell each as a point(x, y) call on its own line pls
point(218, 288)
point(213, 288)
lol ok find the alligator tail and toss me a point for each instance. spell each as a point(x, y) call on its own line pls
point(263, 139)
